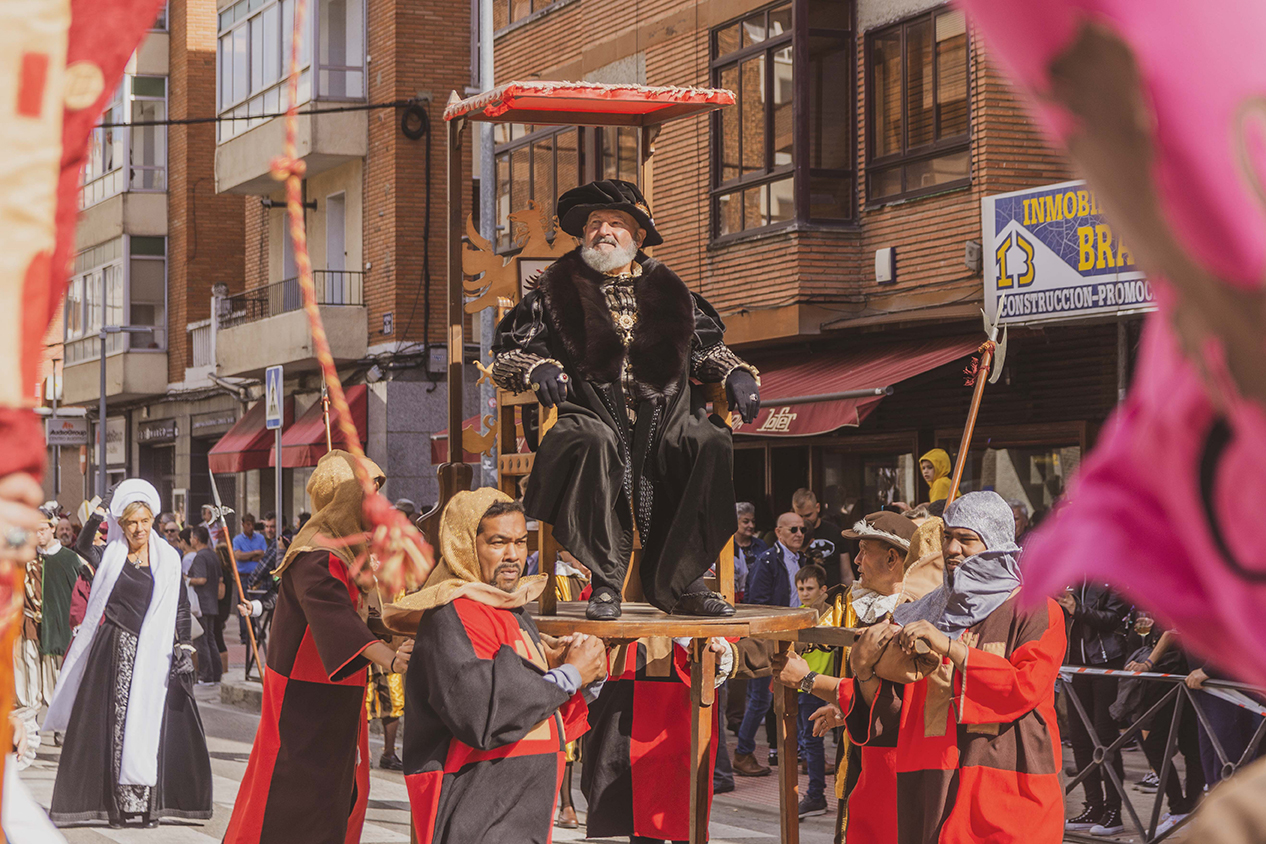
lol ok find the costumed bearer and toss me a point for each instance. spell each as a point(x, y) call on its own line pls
point(308, 775)
point(971, 723)
point(488, 708)
point(613, 337)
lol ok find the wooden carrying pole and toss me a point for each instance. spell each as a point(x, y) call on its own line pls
point(237, 578)
point(325, 417)
point(982, 376)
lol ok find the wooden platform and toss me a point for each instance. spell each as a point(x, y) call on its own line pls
point(783, 624)
point(642, 620)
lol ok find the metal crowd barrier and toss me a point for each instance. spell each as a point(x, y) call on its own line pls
point(1181, 696)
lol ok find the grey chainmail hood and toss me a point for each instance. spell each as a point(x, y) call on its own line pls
point(981, 583)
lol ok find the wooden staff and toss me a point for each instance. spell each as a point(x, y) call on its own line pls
point(989, 350)
point(220, 512)
point(325, 417)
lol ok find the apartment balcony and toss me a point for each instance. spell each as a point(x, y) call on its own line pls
point(136, 366)
point(324, 141)
point(251, 65)
point(267, 326)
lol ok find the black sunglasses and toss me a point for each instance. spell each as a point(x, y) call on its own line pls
point(795, 529)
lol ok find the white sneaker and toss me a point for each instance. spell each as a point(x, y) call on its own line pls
point(1169, 822)
point(1110, 825)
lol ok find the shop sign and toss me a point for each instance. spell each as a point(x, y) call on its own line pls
point(1050, 255)
point(66, 430)
point(209, 424)
point(116, 441)
point(157, 431)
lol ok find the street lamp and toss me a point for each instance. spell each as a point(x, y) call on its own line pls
point(105, 331)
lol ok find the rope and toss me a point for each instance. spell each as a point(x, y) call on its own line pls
point(403, 559)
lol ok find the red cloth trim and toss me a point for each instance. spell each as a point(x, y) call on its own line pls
point(23, 439)
point(1005, 807)
point(872, 806)
point(659, 756)
point(487, 628)
point(247, 821)
point(461, 754)
point(424, 802)
point(995, 689)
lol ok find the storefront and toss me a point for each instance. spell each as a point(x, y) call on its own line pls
point(1066, 367)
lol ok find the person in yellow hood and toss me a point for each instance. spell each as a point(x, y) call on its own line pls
point(936, 466)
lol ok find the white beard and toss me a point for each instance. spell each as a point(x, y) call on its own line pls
point(605, 262)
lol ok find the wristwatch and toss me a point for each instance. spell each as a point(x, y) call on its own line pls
point(806, 684)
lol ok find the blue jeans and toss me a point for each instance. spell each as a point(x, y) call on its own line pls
point(759, 697)
point(812, 747)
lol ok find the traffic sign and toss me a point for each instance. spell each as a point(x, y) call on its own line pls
point(273, 402)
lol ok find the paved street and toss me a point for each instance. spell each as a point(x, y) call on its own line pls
point(749, 815)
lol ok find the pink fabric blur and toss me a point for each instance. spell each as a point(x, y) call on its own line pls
point(1169, 506)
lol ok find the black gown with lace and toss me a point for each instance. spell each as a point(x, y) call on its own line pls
point(87, 786)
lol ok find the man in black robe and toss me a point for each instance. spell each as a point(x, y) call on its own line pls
point(613, 338)
point(488, 710)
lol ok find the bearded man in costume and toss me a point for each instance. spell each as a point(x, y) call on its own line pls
point(613, 337)
point(488, 707)
point(308, 775)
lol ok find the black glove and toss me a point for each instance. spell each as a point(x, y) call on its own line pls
point(109, 494)
point(181, 662)
point(549, 382)
point(743, 394)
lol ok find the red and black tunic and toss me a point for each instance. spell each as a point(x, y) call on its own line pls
point(308, 775)
point(977, 751)
point(636, 774)
point(484, 730)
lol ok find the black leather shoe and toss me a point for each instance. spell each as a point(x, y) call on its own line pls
point(604, 605)
point(709, 604)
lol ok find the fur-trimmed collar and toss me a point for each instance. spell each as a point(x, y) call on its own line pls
point(659, 354)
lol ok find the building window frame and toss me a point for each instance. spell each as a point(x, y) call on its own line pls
point(261, 69)
point(513, 145)
point(507, 13)
point(83, 312)
point(939, 147)
point(802, 33)
point(124, 174)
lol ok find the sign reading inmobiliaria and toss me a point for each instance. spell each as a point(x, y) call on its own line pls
point(1050, 255)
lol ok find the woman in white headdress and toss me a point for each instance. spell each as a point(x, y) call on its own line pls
point(134, 746)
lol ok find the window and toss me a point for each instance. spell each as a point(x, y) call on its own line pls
point(919, 138)
point(149, 143)
point(255, 38)
point(128, 275)
point(784, 152)
point(536, 165)
point(108, 171)
point(620, 153)
point(160, 22)
point(506, 12)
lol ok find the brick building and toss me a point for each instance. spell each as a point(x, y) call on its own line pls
point(374, 210)
point(833, 216)
point(152, 240)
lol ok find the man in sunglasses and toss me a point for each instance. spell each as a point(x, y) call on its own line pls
point(771, 581)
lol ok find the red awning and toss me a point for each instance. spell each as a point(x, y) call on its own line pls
point(247, 445)
point(812, 379)
point(586, 104)
point(303, 443)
